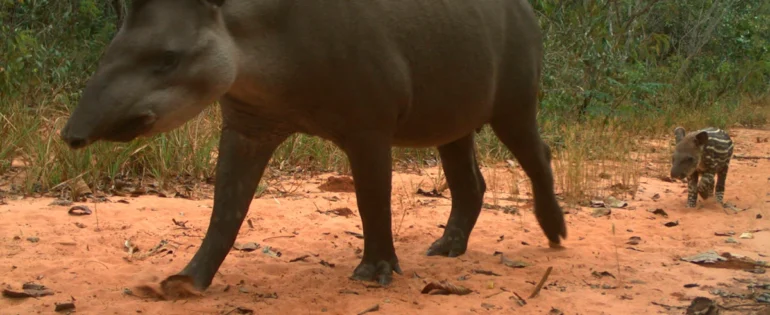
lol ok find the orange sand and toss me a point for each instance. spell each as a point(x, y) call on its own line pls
point(90, 263)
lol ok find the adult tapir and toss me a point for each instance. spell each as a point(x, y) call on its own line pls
point(365, 75)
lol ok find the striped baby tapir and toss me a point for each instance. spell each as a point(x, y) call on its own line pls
point(702, 154)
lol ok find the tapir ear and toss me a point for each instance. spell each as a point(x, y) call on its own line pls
point(138, 4)
point(701, 138)
point(216, 3)
point(679, 134)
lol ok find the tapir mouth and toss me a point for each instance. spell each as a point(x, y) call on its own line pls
point(78, 137)
point(679, 174)
point(129, 129)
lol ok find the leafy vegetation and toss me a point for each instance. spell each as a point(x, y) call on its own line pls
point(616, 72)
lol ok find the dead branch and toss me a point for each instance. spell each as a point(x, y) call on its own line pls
point(542, 282)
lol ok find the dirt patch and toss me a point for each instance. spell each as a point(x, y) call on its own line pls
point(338, 184)
point(299, 258)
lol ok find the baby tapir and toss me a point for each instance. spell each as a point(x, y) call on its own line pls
point(704, 153)
point(365, 75)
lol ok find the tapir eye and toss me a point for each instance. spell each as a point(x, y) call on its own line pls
point(168, 61)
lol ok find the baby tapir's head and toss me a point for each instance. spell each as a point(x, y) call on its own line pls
point(687, 153)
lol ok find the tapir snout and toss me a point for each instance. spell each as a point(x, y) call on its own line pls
point(98, 117)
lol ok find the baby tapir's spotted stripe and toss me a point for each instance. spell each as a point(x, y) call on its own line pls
point(704, 153)
point(715, 160)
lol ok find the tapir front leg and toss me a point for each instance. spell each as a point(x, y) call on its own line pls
point(370, 162)
point(240, 166)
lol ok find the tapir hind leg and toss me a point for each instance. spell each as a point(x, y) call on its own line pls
point(515, 122)
point(467, 187)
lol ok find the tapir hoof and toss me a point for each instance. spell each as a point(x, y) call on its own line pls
point(381, 271)
point(553, 225)
point(179, 287)
point(452, 244)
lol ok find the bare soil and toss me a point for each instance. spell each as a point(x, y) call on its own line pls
point(85, 259)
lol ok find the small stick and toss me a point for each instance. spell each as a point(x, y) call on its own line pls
point(98, 262)
point(617, 258)
point(519, 299)
point(668, 307)
point(279, 236)
point(493, 294)
point(750, 157)
point(374, 308)
point(67, 181)
point(542, 282)
point(239, 309)
point(96, 212)
point(726, 307)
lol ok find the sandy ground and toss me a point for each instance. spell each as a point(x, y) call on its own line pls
point(84, 258)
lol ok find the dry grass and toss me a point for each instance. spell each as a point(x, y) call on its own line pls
point(592, 159)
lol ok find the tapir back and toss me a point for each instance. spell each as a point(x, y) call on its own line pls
point(422, 59)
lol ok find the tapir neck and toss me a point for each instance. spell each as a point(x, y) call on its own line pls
point(257, 30)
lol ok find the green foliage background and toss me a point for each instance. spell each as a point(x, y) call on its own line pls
point(642, 64)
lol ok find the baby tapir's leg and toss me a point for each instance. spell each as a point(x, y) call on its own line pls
point(692, 190)
point(706, 185)
point(721, 178)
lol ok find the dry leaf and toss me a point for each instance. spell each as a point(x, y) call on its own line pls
point(29, 290)
point(79, 210)
point(615, 203)
point(246, 247)
point(513, 263)
point(659, 212)
point(343, 212)
point(600, 212)
point(445, 288)
point(79, 189)
point(357, 235)
point(432, 193)
point(65, 306)
point(672, 223)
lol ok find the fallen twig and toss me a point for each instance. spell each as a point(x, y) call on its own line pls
point(542, 282)
point(68, 181)
point(98, 262)
point(240, 310)
point(668, 307)
point(519, 299)
point(493, 294)
point(374, 308)
point(279, 236)
point(751, 157)
point(66, 306)
point(741, 305)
